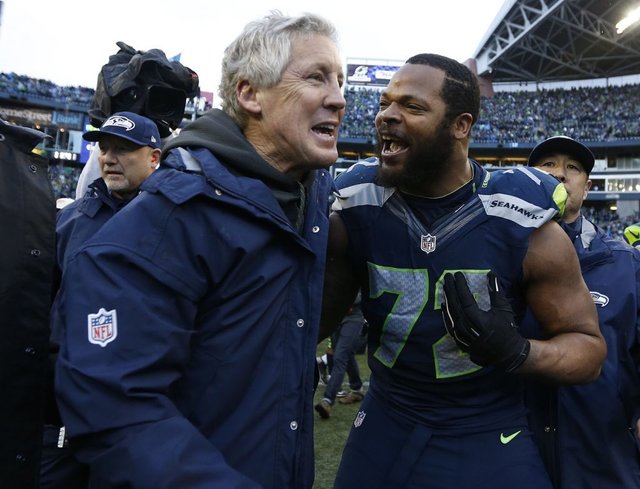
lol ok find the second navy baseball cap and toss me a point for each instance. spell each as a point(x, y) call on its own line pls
point(564, 145)
point(130, 126)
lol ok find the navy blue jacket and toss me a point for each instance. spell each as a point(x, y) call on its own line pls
point(80, 220)
point(190, 323)
point(75, 224)
point(587, 432)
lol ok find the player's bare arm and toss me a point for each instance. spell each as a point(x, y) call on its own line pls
point(340, 283)
point(558, 297)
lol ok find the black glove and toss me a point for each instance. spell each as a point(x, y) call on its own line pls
point(489, 337)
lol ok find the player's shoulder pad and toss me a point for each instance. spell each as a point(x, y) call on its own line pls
point(357, 187)
point(528, 184)
point(363, 171)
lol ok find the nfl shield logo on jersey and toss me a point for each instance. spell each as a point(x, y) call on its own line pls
point(428, 243)
point(103, 327)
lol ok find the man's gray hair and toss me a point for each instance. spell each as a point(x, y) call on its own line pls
point(261, 53)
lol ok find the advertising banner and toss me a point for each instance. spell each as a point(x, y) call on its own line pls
point(371, 74)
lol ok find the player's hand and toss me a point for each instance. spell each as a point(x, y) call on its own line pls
point(489, 337)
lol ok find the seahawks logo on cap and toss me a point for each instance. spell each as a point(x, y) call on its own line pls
point(120, 121)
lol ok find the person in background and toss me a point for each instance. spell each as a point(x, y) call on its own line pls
point(588, 434)
point(90, 172)
point(129, 152)
point(146, 83)
point(344, 359)
point(27, 253)
point(190, 319)
point(447, 255)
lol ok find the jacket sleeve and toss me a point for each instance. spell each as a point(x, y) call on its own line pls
point(127, 328)
point(635, 349)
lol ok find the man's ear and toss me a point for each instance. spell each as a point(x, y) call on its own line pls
point(247, 97)
point(462, 125)
point(155, 157)
point(587, 187)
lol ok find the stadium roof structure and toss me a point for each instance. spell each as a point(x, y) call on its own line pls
point(555, 40)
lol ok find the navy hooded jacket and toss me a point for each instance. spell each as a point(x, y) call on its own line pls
point(190, 323)
point(587, 433)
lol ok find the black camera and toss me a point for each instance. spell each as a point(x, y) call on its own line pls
point(146, 83)
point(164, 105)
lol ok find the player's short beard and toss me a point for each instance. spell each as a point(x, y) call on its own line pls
point(427, 161)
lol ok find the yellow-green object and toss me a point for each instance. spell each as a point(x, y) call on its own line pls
point(632, 234)
point(560, 198)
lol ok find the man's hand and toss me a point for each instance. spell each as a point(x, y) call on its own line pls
point(490, 337)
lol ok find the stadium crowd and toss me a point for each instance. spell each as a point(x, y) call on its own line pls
point(607, 113)
point(24, 86)
point(610, 221)
point(64, 180)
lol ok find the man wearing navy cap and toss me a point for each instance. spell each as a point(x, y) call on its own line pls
point(570, 162)
point(129, 151)
point(592, 426)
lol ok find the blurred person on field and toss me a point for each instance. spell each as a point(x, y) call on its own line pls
point(345, 342)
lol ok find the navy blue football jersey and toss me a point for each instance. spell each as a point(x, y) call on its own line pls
point(401, 255)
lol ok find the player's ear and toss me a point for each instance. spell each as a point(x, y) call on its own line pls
point(462, 125)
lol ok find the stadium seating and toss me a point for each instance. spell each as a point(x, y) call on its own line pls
point(586, 113)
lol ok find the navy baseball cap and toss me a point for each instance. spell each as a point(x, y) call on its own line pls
point(127, 125)
point(564, 145)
